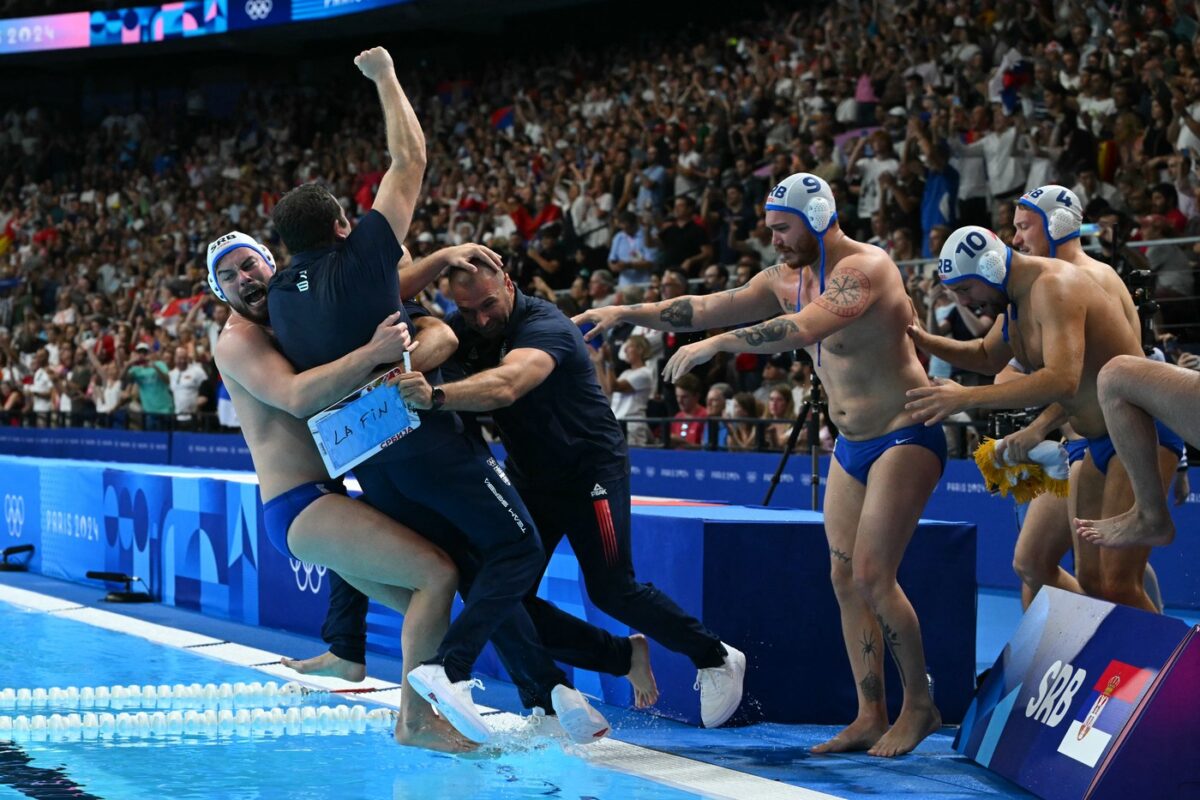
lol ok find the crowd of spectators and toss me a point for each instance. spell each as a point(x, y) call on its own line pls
point(629, 173)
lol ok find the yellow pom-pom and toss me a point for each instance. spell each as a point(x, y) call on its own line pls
point(1023, 481)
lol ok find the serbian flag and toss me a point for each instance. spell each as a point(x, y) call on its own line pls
point(180, 305)
point(1104, 712)
point(502, 118)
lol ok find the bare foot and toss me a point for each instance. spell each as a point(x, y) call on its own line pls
point(911, 727)
point(861, 734)
point(327, 664)
point(1134, 528)
point(645, 689)
point(432, 732)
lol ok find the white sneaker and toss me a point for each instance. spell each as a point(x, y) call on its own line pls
point(721, 688)
point(582, 723)
point(452, 700)
point(540, 724)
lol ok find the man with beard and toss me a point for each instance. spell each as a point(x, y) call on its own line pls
point(845, 303)
point(307, 515)
point(528, 367)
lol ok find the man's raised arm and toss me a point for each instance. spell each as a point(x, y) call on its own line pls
point(401, 184)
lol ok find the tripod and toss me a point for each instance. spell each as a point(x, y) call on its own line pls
point(810, 412)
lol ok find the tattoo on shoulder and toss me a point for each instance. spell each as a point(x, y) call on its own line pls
point(678, 314)
point(770, 331)
point(847, 293)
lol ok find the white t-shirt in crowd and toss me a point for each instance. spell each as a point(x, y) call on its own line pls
point(185, 388)
point(633, 404)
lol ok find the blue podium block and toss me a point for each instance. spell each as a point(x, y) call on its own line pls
point(1090, 700)
point(759, 578)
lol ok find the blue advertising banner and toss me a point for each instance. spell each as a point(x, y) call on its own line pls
point(21, 491)
point(210, 451)
point(91, 444)
point(323, 9)
point(245, 14)
point(700, 475)
point(1063, 690)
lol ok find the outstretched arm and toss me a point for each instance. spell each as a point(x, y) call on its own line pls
point(519, 373)
point(401, 184)
point(846, 298)
point(753, 301)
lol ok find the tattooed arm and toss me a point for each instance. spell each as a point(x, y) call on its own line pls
point(753, 301)
point(847, 296)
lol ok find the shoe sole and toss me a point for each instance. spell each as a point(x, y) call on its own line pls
point(739, 660)
point(581, 728)
point(470, 725)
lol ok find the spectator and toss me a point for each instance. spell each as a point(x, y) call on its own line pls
point(688, 432)
point(629, 391)
point(600, 289)
point(1090, 187)
point(685, 245)
point(744, 435)
point(719, 396)
point(152, 379)
point(716, 279)
point(779, 407)
point(186, 379)
point(631, 255)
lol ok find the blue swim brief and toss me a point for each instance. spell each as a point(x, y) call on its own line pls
point(1076, 449)
point(1102, 447)
point(858, 457)
point(280, 512)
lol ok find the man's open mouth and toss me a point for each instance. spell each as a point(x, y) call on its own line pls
point(254, 295)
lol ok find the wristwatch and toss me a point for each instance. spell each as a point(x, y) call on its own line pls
point(438, 399)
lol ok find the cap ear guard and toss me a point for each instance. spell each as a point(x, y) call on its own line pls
point(993, 267)
point(1062, 225)
point(819, 214)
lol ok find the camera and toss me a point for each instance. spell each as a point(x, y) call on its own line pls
point(1006, 423)
point(1139, 282)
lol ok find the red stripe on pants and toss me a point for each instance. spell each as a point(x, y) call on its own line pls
point(608, 534)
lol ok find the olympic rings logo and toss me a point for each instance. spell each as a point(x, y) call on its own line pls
point(258, 10)
point(308, 576)
point(14, 514)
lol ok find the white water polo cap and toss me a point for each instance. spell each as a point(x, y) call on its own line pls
point(808, 197)
point(1060, 211)
point(227, 244)
point(975, 252)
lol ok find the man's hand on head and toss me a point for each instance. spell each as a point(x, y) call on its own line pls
point(469, 256)
point(375, 63)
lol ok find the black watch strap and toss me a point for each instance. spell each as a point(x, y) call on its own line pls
point(438, 400)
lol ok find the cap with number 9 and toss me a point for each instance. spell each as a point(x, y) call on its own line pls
point(975, 252)
point(808, 197)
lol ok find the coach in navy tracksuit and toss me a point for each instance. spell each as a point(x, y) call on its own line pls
point(528, 366)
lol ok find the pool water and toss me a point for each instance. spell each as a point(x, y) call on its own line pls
point(46, 651)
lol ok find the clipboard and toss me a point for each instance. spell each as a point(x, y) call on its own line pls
point(362, 423)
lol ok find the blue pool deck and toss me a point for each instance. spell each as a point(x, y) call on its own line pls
point(777, 753)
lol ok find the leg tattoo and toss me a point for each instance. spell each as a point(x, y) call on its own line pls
point(872, 687)
point(868, 646)
point(839, 555)
point(892, 638)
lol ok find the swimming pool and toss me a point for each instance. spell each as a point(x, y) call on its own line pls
point(341, 759)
